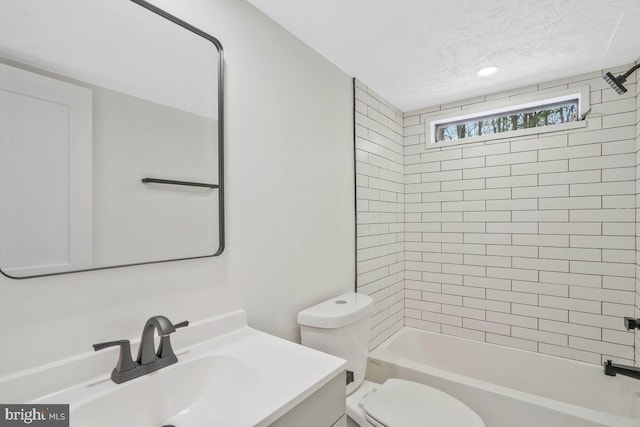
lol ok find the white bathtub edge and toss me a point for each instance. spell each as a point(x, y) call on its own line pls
point(379, 355)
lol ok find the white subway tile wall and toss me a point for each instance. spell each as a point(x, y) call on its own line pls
point(527, 242)
point(637, 205)
point(380, 209)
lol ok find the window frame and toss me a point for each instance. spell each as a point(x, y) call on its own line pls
point(511, 105)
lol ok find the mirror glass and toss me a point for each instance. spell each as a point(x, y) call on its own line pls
point(101, 103)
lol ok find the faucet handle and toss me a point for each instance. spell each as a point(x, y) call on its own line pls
point(630, 323)
point(608, 368)
point(103, 345)
point(164, 349)
point(125, 361)
point(181, 324)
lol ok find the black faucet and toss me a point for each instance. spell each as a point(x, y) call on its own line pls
point(612, 369)
point(149, 359)
point(147, 352)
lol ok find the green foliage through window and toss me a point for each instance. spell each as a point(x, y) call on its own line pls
point(542, 115)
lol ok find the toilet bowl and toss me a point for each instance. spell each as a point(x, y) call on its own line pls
point(340, 326)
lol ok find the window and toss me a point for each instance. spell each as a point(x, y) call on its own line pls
point(544, 115)
point(554, 112)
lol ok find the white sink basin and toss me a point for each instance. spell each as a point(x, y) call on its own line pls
point(227, 375)
point(200, 392)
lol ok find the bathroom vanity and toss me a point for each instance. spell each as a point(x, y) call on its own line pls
point(319, 409)
point(227, 374)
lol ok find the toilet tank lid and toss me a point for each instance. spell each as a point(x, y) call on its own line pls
point(337, 312)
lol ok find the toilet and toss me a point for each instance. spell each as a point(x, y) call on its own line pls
point(340, 326)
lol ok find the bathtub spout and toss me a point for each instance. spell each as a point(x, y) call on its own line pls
point(612, 369)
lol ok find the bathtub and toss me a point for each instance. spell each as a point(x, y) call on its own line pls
point(509, 387)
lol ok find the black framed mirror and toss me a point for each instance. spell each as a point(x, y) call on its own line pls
point(111, 137)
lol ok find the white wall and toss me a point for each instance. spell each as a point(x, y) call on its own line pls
point(289, 183)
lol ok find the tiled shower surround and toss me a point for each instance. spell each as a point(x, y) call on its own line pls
point(637, 216)
point(379, 157)
point(525, 242)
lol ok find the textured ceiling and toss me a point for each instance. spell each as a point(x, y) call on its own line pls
point(418, 53)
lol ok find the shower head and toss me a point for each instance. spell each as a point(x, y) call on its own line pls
point(617, 82)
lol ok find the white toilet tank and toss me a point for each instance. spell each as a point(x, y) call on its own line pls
point(340, 326)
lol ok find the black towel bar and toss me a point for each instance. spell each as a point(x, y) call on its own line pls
point(187, 183)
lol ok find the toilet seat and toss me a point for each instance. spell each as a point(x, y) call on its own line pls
point(400, 403)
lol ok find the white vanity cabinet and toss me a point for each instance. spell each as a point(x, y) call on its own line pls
point(324, 408)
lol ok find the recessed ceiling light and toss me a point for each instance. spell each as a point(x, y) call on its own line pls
point(486, 71)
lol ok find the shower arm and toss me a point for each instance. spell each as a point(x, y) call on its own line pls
point(631, 70)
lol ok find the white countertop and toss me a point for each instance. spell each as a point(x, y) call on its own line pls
point(282, 373)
